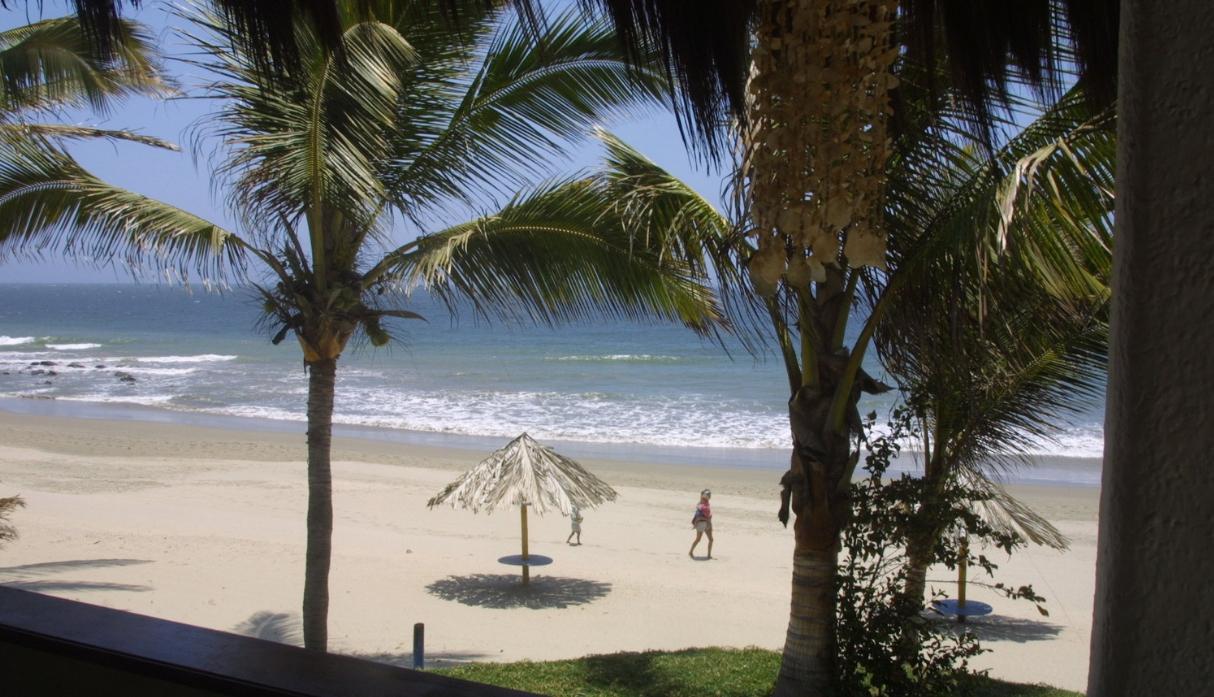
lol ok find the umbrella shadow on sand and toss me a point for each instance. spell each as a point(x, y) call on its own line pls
point(503, 591)
point(1000, 628)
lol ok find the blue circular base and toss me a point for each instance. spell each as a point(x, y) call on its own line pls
point(532, 560)
point(973, 608)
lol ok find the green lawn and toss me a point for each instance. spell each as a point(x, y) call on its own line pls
point(690, 673)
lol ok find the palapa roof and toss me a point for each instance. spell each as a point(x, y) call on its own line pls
point(526, 472)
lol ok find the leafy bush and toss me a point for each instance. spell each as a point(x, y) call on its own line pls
point(889, 644)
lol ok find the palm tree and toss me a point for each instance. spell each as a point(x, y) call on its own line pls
point(994, 352)
point(405, 118)
point(818, 90)
point(944, 202)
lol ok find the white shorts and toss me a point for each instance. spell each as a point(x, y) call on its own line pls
point(703, 525)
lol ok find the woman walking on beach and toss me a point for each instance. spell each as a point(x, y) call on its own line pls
point(702, 522)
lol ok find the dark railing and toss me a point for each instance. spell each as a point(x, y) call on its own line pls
point(62, 648)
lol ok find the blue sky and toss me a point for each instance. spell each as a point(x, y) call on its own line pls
point(180, 179)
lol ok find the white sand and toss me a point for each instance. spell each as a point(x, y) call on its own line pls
point(206, 526)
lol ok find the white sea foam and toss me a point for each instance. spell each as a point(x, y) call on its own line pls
point(72, 347)
point(147, 400)
point(621, 357)
point(140, 370)
point(249, 411)
point(201, 358)
point(15, 340)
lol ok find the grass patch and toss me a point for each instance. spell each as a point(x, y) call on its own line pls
point(688, 673)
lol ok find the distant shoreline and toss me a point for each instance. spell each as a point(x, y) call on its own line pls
point(1049, 470)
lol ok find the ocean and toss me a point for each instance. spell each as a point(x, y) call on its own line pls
point(605, 388)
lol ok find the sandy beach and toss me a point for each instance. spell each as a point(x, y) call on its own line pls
point(206, 526)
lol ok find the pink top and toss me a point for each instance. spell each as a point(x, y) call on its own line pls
point(704, 510)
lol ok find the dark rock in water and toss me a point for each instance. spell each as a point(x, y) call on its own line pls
point(34, 363)
point(4, 373)
point(99, 366)
point(45, 363)
point(75, 365)
point(124, 377)
point(47, 382)
point(38, 372)
point(51, 372)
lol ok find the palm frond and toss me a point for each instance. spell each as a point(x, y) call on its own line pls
point(530, 94)
point(48, 202)
point(53, 63)
point(61, 132)
point(1008, 514)
point(979, 50)
point(8, 531)
point(555, 254)
point(320, 135)
point(996, 306)
point(665, 214)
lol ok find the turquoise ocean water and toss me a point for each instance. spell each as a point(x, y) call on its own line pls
point(608, 389)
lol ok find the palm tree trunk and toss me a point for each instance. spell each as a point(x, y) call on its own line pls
point(918, 558)
point(922, 538)
point(807, 665)
point(322, 375)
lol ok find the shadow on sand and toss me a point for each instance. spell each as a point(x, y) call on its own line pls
point(54, 567)
point(53, 586)
point(1000, 628)
point(504, 591)
point(287, 628)
point(30, 577)
point(438, 659)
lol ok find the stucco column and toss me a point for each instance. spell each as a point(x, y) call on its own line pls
point(1153, 631)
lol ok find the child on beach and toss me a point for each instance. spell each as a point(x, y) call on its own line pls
point(575, 524)
point(702, 522)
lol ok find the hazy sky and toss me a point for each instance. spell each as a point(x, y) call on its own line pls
point(181, 179)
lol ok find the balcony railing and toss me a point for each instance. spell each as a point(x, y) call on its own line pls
point(62, 648)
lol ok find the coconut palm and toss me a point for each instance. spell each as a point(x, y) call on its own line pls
point(818, 91)
point(944, 202)
point(995, 353)
point(404, 120)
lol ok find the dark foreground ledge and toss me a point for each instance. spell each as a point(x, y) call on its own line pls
point(52, 646)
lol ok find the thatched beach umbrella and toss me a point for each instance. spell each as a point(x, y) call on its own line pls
point(526, 474)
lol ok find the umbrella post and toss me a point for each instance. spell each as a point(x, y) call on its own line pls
point(526, 569)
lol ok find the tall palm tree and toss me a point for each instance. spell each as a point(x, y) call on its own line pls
point(967, 211)
point(818, 90)
point(995, 353)
point(404, 119)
